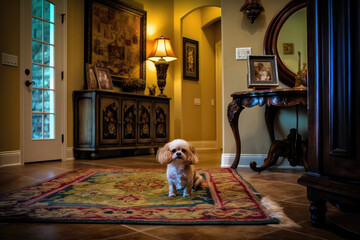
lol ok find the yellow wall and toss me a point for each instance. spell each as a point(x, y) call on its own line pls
point(237, 31)
point(199, 121)
point(9, 77)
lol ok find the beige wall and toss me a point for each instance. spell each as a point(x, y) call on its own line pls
point(9, 76)
point(237, 31)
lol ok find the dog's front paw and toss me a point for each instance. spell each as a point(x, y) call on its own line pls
point(172, 194)
point(186, 194)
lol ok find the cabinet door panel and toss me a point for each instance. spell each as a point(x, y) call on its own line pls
point(161, 122)
point(109, 118)
point(129, 113)
point(144, 122)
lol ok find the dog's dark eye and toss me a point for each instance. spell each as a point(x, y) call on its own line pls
point(183, 150)
point(174, 150)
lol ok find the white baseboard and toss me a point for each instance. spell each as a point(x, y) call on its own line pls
point(10, 158)
point(245, 159)
point(204, 145)
point(69, 154)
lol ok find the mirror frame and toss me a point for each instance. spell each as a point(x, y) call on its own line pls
point(286, 76)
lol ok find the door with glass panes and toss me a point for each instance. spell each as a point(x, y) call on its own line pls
point(42, 80)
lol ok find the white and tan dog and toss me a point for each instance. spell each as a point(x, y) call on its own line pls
point(181, 174)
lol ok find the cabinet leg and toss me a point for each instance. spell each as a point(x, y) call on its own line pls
point(317, 208)
point(155, 150)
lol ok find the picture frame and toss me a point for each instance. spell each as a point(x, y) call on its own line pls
point(288, 48)
point(117, 43)
point(91, 80)
point(190, 59)
point(103, 77)
point(262, 72)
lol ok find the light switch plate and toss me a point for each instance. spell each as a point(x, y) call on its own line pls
point(10, 60)
point(242, 53)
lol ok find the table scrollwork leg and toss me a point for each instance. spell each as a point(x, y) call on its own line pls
point(270, 112)
point(233, 113)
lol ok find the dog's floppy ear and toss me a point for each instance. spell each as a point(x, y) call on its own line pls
point(192, 158)
point(163, 155)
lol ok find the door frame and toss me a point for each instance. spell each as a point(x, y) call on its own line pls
point(62, 66)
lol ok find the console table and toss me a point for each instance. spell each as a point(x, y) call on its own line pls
point(293, 147)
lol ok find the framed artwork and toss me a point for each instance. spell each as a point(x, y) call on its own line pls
point(288, 48)
point(91, 81)
point(115, 38)
point(262, 72)
point(104, 78)
point(190, 59)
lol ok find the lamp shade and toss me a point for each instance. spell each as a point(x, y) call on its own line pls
point(162, 51)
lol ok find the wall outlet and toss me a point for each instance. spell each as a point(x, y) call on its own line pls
point(197, 101)
point(242, 53)
point(10, 60)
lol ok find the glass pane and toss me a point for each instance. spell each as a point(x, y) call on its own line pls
point(49, 11)
point(49, 55)
point(49, 78)
point(37, 52)
point(49, 126)
point(37, 100)
point(49, 101)
point(37, 8)
point(37, 29)
point(37, 75)
point(37, 123)
point(49, 32)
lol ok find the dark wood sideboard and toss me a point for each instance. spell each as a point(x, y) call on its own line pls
point(107, 122)
point(333, 108)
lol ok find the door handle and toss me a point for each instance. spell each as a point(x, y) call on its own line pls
point(28, 83)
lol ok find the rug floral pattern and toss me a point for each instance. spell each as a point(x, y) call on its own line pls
point(135, 196)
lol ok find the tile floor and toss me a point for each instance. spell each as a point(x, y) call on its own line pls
point(278, 184)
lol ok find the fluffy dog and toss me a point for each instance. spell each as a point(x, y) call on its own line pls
point(181, 174)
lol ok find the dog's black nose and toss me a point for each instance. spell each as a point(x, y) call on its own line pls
point(178, 154)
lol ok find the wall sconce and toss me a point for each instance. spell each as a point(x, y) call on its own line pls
point(161, 54)
point(252, 9)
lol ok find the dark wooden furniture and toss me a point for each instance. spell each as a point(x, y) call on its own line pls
point(273, 99)
point(334, 113)
point(107, 122)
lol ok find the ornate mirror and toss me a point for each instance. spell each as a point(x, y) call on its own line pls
point(286, 37)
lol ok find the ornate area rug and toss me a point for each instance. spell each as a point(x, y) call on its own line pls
point(135, 196)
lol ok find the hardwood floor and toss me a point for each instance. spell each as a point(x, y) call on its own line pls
point(278, 184)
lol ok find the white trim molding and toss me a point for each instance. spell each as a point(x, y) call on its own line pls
point(204, 145)
point(245, 159)
point(10, 158)
point(69, 154)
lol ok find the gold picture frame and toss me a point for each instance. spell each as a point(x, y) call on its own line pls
point(91, 81)
point(115, 38)
point(104, 78)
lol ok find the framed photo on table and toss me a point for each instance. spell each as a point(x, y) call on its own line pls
point(115, 38)
point(190, 59)
point(104, 78)
point(262, 72)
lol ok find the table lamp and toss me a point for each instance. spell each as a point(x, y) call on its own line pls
point(161, 54)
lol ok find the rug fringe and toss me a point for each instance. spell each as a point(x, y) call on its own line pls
point(277, 212)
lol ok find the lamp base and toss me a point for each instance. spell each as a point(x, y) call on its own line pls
point(161, 72)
